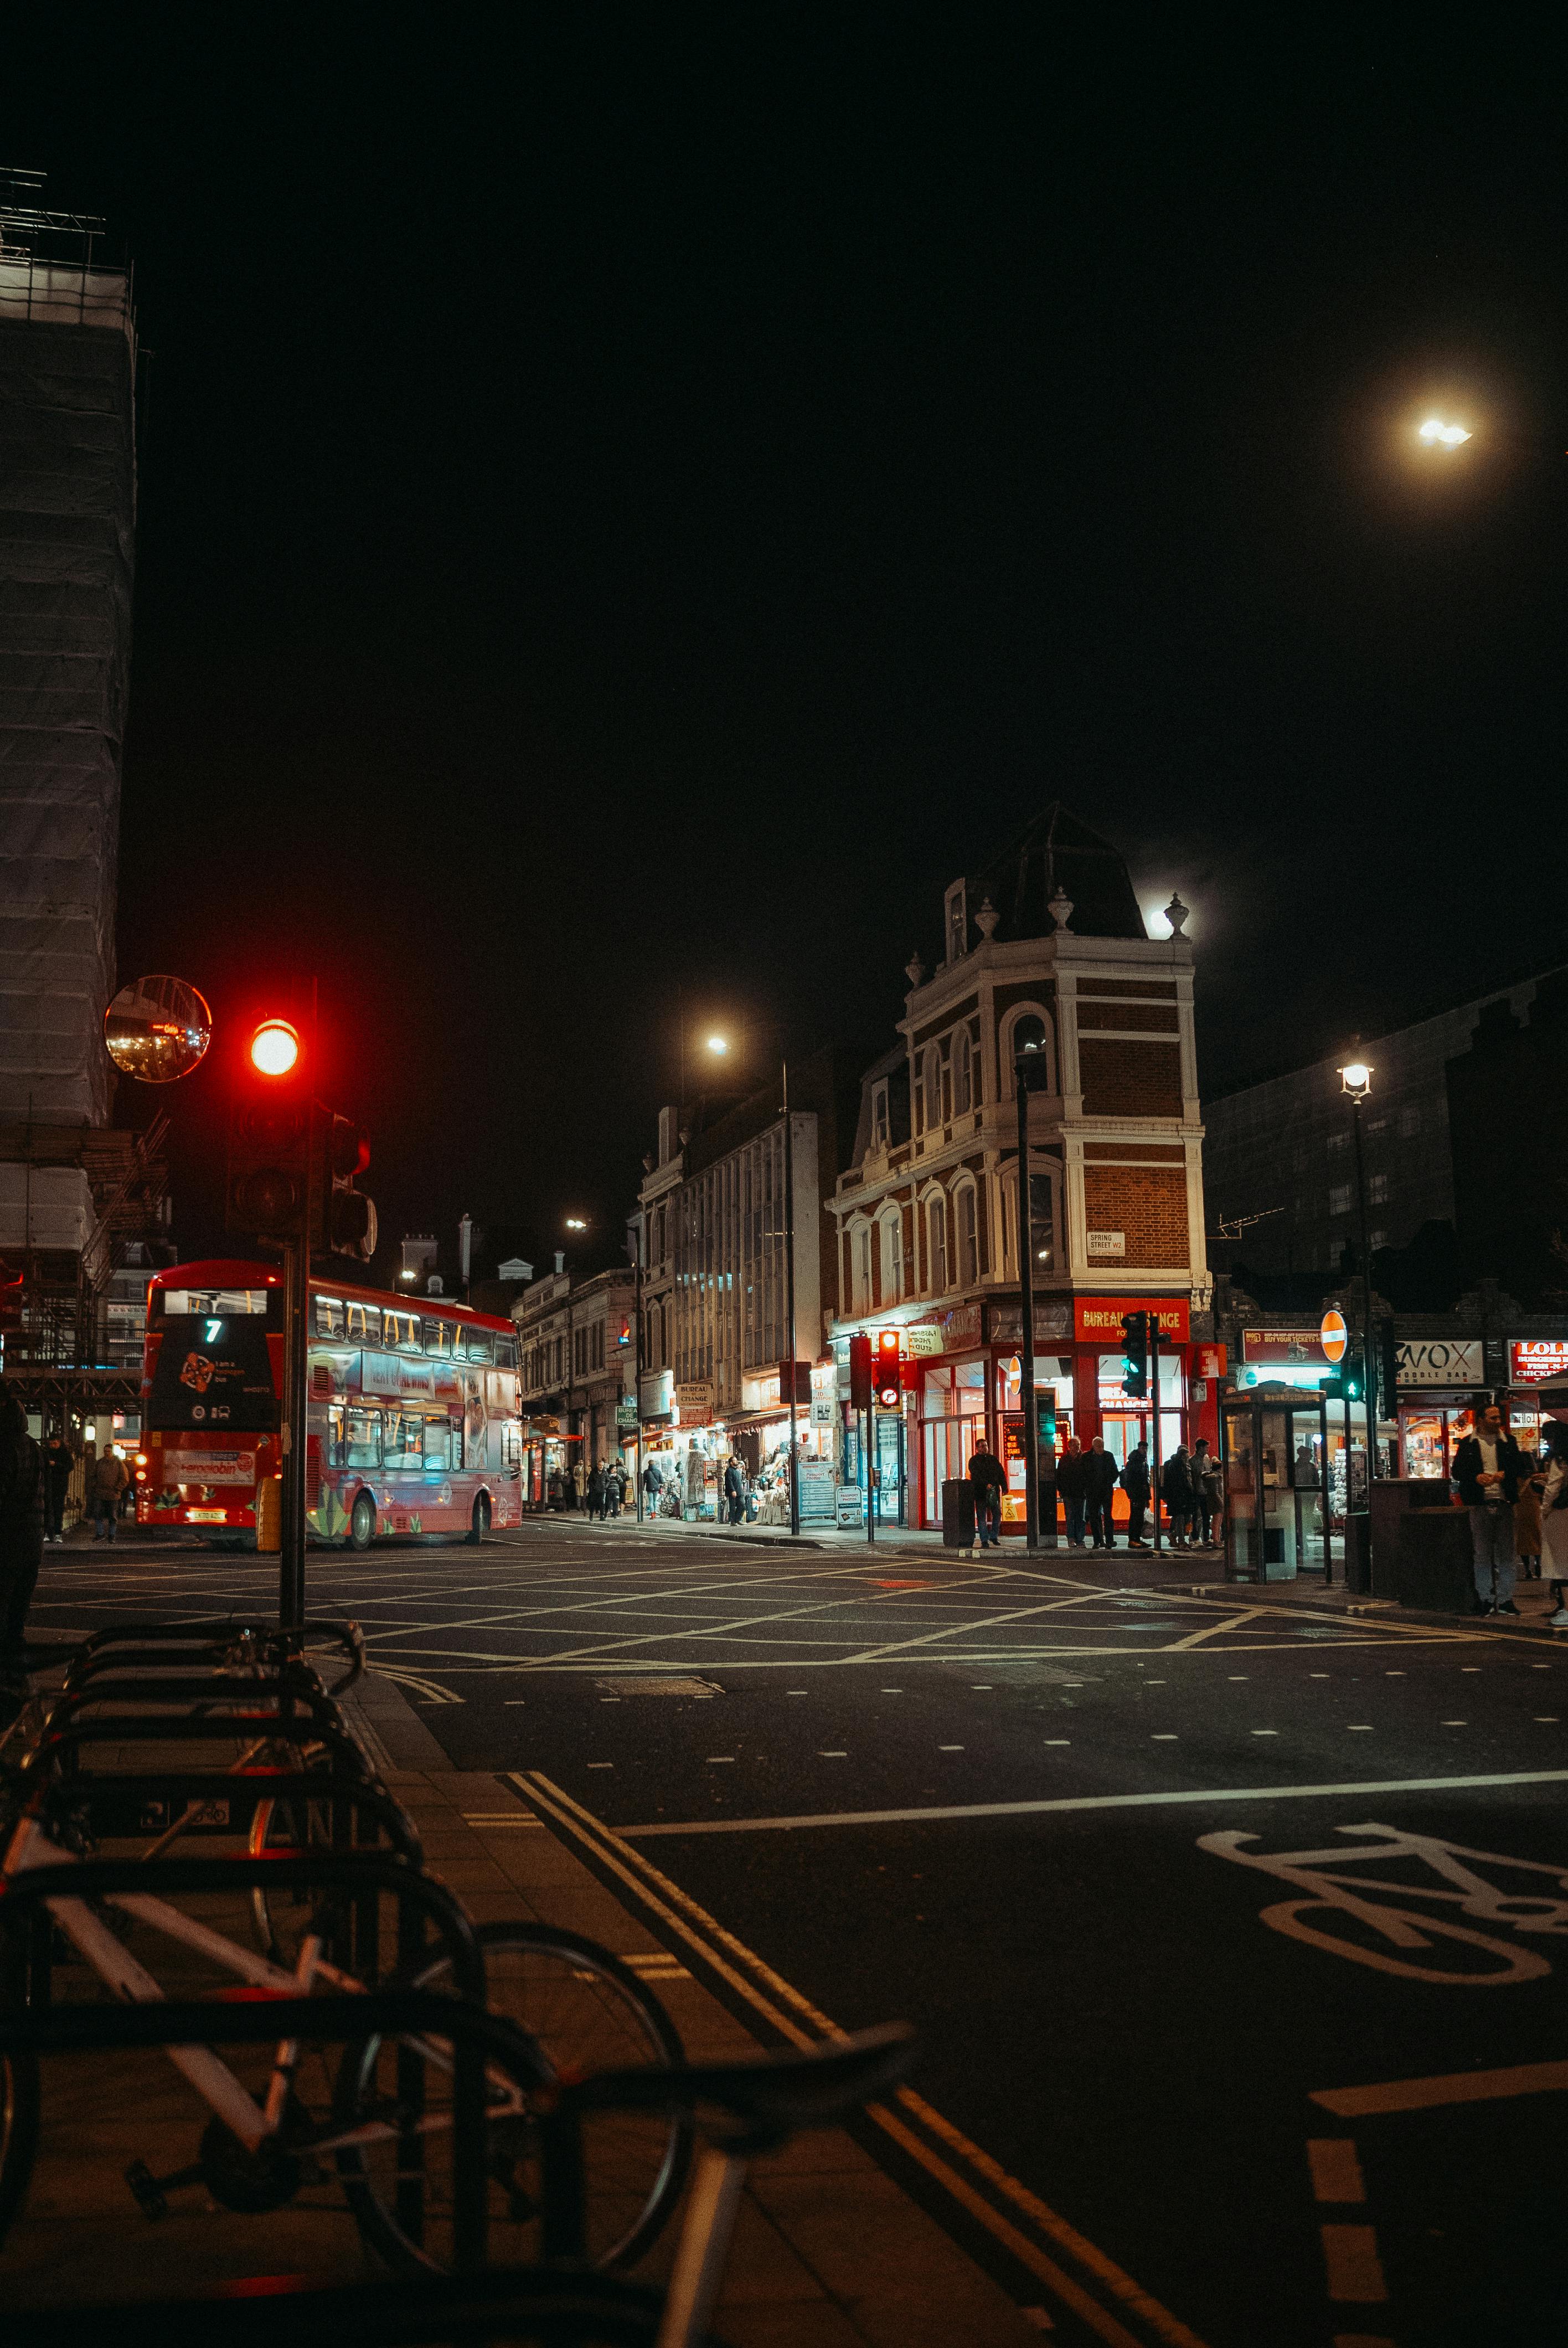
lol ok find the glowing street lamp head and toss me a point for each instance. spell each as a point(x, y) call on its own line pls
point(1439, 435)
point(576, 1223)
point(718, 1043)
point(274, 1048)
point(1355, 1078)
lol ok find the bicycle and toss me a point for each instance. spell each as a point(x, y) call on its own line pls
point(391, 2122)
point(760, 2104)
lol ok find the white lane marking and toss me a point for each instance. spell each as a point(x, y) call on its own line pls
point(833, 1756)
point(1266, 1732)
point(1546, 1716)
point(601, 1765)
point(949, 1748)
point(1059, 1740)
point(1356, 1726)
point(1096, 1802)
point(1163, 1736)
point(714, 1758)
point(1453, 1724)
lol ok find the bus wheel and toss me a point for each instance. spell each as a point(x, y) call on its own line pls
point(362, 1523)
point(481, 1519)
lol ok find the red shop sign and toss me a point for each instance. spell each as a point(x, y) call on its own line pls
point(1098, 1319)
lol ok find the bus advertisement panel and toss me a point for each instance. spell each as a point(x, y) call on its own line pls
point(412, 1422)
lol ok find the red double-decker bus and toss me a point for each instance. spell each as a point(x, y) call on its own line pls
point(412, 1425)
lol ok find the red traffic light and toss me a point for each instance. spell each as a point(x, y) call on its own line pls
point(889, 1380)
point(275, 1047)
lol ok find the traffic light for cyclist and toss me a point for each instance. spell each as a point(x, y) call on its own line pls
point(344, 1217)
point(1135, 1353)
point(860, 1373)
point(888, 1386)
point(268, 1187)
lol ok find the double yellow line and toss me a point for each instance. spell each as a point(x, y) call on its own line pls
point(1091, 2285)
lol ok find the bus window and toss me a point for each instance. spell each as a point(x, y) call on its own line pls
point(505, 1352)
point(218, 1303)
point(511, 1446)
point(479, 1344)
point(438, 1444)
point(364, 1323)
point(329, 1319)
point(402, 1447)
point(356, 1438)
point(438, 1339)
point(401, 1329)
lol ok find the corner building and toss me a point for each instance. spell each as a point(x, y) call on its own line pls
point(927, 1212)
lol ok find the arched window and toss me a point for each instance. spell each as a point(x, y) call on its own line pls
point(934, 1073)
point(863, 1268)
point(1028, 1031)
point(967, 1216)
point(936, 1226)
point(891, 1232)
point(963, 1077)
point(917, 1091)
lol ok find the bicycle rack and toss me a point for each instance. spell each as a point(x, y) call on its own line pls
point(475, 2035)
point(58, 1751)
point(277, 1645)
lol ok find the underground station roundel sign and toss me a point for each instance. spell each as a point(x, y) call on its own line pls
point(1333, 1335)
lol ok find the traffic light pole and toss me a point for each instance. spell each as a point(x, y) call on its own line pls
point(869, 1440)
point(1155, 1465)
point(291, 1537)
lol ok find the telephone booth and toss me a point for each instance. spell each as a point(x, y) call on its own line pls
point(1274, 1448)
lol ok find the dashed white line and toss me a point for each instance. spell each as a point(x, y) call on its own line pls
point(1163, 1736)
point(833, 1756)
point(949, 1748)
point(1356, 1726)
point(1266, 1732)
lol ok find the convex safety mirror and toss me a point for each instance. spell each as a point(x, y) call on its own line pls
point(157, 1029)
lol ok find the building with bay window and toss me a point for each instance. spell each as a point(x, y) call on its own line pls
point(1044, 945)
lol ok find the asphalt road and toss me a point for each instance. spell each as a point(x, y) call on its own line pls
point(1184, 1892)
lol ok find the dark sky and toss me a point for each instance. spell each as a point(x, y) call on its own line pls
point(634, 501)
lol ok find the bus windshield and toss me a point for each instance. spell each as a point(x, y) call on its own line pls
point(212, 1370)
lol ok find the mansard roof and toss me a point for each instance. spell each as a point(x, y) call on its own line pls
point(1058, 850)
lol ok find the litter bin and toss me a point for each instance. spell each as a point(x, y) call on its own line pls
point(958, 1512)
point(1433, 1563)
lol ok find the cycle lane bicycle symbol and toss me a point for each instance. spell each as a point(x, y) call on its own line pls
point(1398, 1910)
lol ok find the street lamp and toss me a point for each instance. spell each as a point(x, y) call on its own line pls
point(1356, 1084)
point(1031, 1070)
point(1435, 434)
point(719, 1045)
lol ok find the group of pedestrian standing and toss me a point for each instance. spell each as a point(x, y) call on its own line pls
point(1517, 1502)
point(1085, 1486)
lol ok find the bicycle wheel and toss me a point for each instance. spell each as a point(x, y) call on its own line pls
point(18, 2131)
point(587, 2011)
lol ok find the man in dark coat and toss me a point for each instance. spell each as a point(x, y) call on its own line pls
point(1134, 1481)
point(1071, 1489)
point(1099, 1484)
point(21, 1535)
point(985, 1481)
point(734, 1488)
point(1178, 1492)
point(1489, 1468)
point(58, 1461)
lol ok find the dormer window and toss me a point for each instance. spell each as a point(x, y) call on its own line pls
point(958, 922)
point(879, 1122)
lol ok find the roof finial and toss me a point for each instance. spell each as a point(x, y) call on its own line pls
point(1176, 914)
point(987, 919)
point(914, 970)
point(1060, 907)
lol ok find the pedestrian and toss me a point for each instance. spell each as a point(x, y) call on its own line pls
point(1072, 1488)
point(1177, 1493)
point(596, 1490)
point(1488, 1469)
point(58, 1461)
point(734, 1488)
point(651, 1484)
point(106, 1482)
point(21, 1535)
point(1134, 1482)
point(1099, 1484)
point(614, 1488)
point(1554, 1518)
point(1207, 1491)
point(1527, 1518)
point(986, 1482)
point(578, 1484)
point(555, 1489)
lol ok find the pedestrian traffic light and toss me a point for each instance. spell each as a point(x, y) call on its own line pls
point(1135, 1353)
point(269, 1138)
point(860, 1373)
point(889, 1388)
point(343, 1218)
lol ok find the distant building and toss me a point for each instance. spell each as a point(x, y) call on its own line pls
point(1048, 933)
point(577, 1354)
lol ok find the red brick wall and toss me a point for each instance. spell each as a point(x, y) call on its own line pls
point(1149, 1203)
point(1122, 1078)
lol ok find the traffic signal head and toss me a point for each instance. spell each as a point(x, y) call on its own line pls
point(860, 1373)
point(275, 1048)
point(1135, 1353)
point(888, 1386)
point(344, 1217)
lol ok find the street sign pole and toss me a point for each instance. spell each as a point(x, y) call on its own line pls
point(1154, 1406)
point(291, 1532)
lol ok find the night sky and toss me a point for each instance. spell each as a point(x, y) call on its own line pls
point(634, 502)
